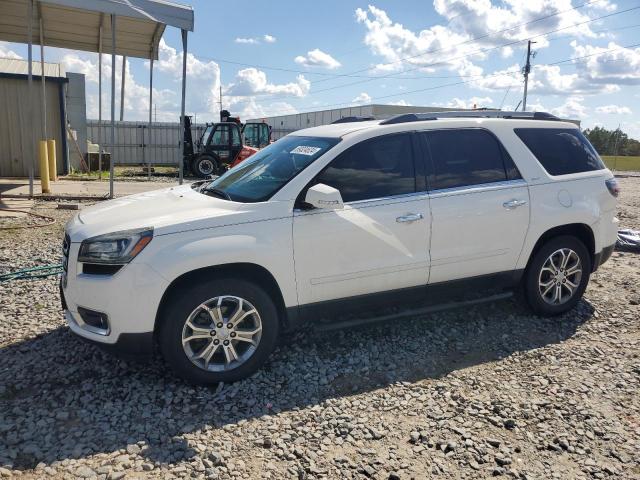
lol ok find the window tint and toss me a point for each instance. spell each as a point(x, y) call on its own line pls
point(466, 157)
point(375, 168)
point(561, 150)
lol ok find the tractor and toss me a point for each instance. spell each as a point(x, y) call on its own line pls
point(223, 145)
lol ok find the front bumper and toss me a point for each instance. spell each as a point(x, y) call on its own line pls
point(126, 345)
point(129, 299)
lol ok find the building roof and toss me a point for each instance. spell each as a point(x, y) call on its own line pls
point(16, 66)
point(74, 24)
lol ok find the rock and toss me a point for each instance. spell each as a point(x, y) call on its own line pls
point(510, 424)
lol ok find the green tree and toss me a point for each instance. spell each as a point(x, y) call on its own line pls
point(612, 142)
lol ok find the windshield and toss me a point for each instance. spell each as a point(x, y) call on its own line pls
point(264, 173)
point(205, 134)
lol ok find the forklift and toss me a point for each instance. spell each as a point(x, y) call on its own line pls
point(222, 145)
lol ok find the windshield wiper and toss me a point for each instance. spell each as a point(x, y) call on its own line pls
point(217, 192)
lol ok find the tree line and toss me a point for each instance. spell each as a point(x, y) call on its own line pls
point(612, 142)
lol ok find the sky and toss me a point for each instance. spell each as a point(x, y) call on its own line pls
point(275, 58)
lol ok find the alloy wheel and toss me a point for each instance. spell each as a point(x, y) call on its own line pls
point(560, 276)
point(221, 333)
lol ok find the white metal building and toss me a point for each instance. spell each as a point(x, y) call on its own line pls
point(285, 124)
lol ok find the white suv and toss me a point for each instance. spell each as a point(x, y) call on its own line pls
point(349, 215)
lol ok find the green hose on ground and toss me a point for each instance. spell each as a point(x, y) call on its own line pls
point(32, 273)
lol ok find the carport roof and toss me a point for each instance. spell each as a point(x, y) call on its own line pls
point(74, 24)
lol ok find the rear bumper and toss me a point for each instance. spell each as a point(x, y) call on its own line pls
point(602, 256)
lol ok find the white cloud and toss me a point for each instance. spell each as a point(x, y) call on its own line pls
point(401, 103)
point(251, 81)
point(612, 64)
point(361, 99)
point(475, 18)
point(6, 52)
point(454, 45)
point(256, 40)
point(473, 102)
point(603, 70)
point(614, 109)
point(571, 108)
point(203, 80)
point(248, 108)
point(318, 58)
point(249, 41)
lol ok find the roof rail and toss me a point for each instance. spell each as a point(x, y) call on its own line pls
point(352, 119)
point(419, 117)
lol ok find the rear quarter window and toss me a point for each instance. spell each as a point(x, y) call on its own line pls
point(561, 151)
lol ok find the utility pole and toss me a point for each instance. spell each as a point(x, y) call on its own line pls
point(220, 97)
point(526, 71)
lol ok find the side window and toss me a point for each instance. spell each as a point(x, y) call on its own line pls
point(376, 168)
point(466, 157)
point(509, 166)
point(561, 150)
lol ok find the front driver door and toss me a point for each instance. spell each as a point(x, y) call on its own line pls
point(380, 240)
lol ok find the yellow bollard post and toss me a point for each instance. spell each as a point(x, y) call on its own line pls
point(44, 167)
point(51, 155)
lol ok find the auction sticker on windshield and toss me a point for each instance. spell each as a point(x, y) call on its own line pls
point(305, 150)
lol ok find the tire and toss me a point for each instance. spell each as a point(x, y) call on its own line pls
point(205, 166)
point(540, 276)
point(185, 301)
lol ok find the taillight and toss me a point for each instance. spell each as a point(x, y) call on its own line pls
point(613, 186)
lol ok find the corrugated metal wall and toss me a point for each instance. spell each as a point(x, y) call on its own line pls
point(16, 126)
point(285, 124)
point(136, 145)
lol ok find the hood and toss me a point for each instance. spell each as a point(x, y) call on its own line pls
point(169, 210)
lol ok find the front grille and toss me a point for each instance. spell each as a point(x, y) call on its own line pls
point(65, 251)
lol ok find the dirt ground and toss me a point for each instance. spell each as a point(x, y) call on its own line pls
point(486, 391)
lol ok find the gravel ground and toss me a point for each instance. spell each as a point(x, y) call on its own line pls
point(489, 391)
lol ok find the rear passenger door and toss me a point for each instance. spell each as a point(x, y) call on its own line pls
point(479, 204)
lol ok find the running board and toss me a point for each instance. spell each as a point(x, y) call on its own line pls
point(413, 312)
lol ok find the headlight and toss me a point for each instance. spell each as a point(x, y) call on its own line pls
point(118, 247)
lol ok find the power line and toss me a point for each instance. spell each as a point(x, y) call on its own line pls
point(419, 77)
point(354, 74)
point(393, 75)
point(473, 39)
point(436, 87)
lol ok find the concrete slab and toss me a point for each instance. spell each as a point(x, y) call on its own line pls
point(14, 204)
point(78, 189)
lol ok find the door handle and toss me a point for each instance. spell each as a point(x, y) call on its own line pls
point(410, 217)
point(511, 204)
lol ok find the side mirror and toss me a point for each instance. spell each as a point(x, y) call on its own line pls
point(324, 196)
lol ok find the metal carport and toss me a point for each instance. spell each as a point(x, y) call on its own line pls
point(90, 25)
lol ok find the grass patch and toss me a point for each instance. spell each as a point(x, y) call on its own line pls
point(620, 162)
point(122, 172)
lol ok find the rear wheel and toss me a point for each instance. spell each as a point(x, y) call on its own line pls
point(220, 331)
point(205, 166)
point(557, 276)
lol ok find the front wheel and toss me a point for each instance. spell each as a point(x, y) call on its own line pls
point(557, 276)
point(205, 166)
point(222, 330)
